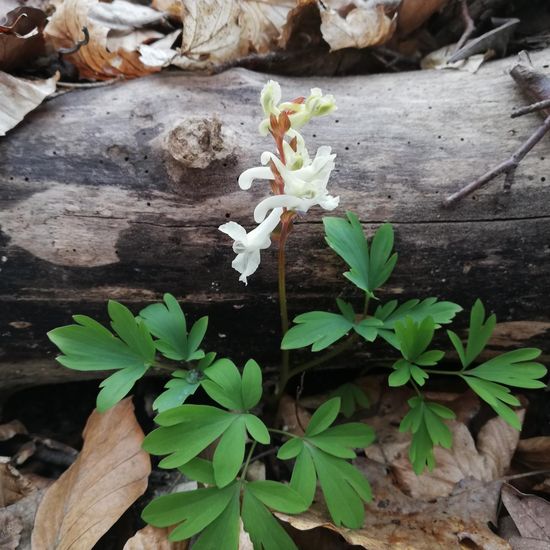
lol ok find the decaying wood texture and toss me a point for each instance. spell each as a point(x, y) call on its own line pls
point(117, 193)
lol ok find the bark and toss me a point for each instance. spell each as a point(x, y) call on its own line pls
point(117, 192)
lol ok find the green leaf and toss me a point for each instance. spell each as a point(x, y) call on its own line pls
point(193, 510)
point(382, 262)
point(479, 333)
point(352, 398)
point(224, 385)
point(290, 448)
point(368, 270)
point(414, 337)
point(229, 454)
point(344, 489)
point(167, 322)
point(346, 310)
point(224, 531)
point(117, 386)
point(304, 477)
point(496, 395)
point(89, 346)
point(401, 374)
point(368, 328)
point(186, 431)
point(427, 429)
point(177, 391)
point(251, 384)
point(278, 496)
point(339, 440)
point(264, 530)
point(319, 328)
point(323, 417)
point(430, 358)
point(513, 368)
point(257, 429)
point(132, 331)
point(441, 313)
point(199, 470)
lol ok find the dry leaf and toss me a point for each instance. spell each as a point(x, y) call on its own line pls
point(217, 31)
point(21, 38)
point(121, 15)
point(171, 7)
point(109, 474)
point(95, 61)
point(485, 460)
point(413, 13)
point(294, 418)
point(161, 53)
point(10, 530)
point(154, 538)
point(11, 429)
point(13, 485)
point(531, 515)
point(358, 27)
point(20, 97)
point(439, 59)
point(395, 521)
point(534, 452)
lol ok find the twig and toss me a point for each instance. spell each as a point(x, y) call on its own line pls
point(78, 45)
point(507, 167)
point(469, 26)
point(538, 106)
point(89, 84)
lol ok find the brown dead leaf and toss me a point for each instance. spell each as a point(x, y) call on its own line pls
point(171, 7)
point(13, 485)
point(10, 530)
point(154, 538)
point(358, 25)
point(294, 417)
point(485, 460)
point(21, 96)
point(534, 452)
point(413, 13)
point(218, 31)
point(531, 515)
point(109, 474)
point(11, 429)
point(395, 521)
point(95, 60)
point(21, 37)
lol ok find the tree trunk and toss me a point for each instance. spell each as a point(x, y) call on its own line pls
point(117, 192)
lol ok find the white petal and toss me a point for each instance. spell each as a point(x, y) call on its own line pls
point(234, 230)
point(276, 202)
point(328, 202)
point(263, 232)
point(259, 173)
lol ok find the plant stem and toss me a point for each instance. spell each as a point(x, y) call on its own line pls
point(446, 372)
point(247, 462)
point(334, 352)
point(281, 432)
point(283, 310)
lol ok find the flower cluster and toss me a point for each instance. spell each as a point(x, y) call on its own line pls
point(298, 182)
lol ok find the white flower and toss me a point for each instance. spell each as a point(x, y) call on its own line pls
point(304, 187)
point(299, 114)
point(247, 246)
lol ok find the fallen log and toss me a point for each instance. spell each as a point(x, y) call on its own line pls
point(117, 192)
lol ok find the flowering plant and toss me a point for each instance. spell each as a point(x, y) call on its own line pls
point(241, 423)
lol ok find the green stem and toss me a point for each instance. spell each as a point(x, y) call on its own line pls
point(334, 352)
point(281, 432)
point(446, 372)
point(247, 462)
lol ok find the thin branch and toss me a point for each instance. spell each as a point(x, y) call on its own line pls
point(507, 167)
point(101, 84)
point(469, 26)
point(538, 106)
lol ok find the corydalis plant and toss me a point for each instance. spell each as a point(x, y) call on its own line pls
point(297, 181)
point(237, 422)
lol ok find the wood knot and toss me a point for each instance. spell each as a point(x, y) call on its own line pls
point(197, 142)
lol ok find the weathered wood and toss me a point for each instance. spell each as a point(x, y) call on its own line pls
point(118, 192)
